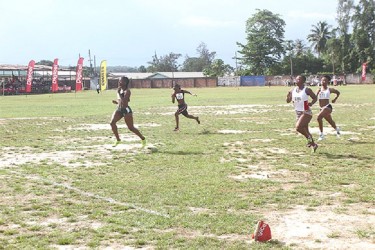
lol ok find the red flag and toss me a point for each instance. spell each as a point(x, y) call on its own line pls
point(364, 71)
point(29, 76)
point(55, 75)
point(79, 76)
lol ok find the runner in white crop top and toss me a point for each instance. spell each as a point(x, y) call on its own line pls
point(324, 94)
point(300, 97)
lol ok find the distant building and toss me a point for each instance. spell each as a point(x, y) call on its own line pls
point(157, 75)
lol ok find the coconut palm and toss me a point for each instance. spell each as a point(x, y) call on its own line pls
point(299, 47)
point(320, 33)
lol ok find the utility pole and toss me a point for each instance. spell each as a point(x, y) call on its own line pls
point(291, 66)
point(235, 57)
point(94, 65)
point(90, 60)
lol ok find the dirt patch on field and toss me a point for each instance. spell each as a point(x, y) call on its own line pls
point(324, 227)
point(77, 155)
point(229, 131)
point(108, 127)
point(302, 227)
point(224, 110)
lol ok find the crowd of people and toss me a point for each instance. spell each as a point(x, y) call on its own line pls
point(15, 85)
point(315, 81)
point(12, 86)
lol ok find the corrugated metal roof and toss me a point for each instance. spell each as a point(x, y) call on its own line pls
point(16, 67)
point(136, 75)
point(46, 70)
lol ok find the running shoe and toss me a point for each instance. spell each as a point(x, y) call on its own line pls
point(314, 147)
point(116, 143)
point(321, 137)
point(309, 142)
point(338, 132)
point(176, 129)
point(143, 143)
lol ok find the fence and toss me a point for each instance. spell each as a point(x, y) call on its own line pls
point(202, 82)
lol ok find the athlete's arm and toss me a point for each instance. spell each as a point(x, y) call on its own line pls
point(335, 91)
point(188, 92)
point(118, 96)
point(127, 95)
point(312, 95)
point(289, 97)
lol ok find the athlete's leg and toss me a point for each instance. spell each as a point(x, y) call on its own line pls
point(193, 117)
point(330, 121)
point(324, 113)
point(302, 125)
point(116, 116)
point(176, 115)
point(129, 122)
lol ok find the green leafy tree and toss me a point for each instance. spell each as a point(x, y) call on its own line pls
point(45, 62)
point(218, 68)
point(264, 49)
point(142, 69)
point(319, 35)
point(363, 37)
point(293, 50)
point(298, 59)
point(309, 63)
point(198, 64)
point(344, 14)
point(299, 47)
point(333, 53)
point(167, 63)
point(289, 48)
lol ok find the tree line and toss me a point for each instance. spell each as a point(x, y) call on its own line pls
point(342, 49)
point(332, 49)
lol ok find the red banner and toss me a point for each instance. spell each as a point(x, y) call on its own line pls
point(79, 74)
point(29, 76)
point(364, 71)
point(55, 76)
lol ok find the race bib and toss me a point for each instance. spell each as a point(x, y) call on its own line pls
point(179, 96)
point(297, 99)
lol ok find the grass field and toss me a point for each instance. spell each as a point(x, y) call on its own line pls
point(63, 185)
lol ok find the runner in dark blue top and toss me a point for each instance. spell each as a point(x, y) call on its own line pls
point(179, 95)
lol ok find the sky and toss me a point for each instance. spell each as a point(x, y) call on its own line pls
point(130, 32)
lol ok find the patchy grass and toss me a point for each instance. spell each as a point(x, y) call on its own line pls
point(205, 187)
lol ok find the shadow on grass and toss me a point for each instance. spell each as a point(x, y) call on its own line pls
point(361, 142)
point(269, 244)
point(341, 156)
point(206, 132)
point(179, 152)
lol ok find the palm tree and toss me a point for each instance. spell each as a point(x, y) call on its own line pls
point(299, 47)
point(320, 33)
